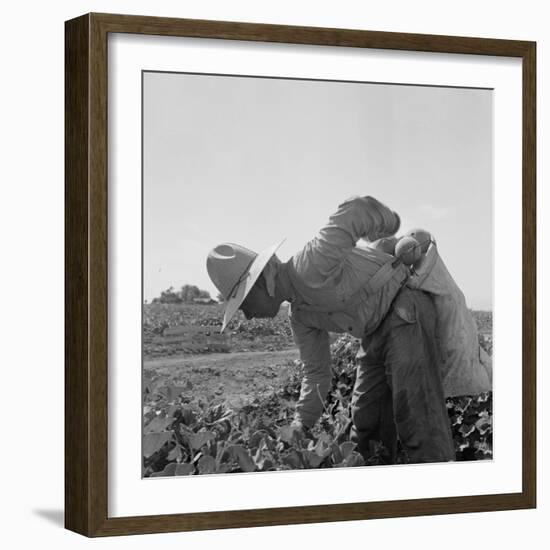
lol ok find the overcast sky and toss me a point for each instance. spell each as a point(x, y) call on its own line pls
point(253, 160)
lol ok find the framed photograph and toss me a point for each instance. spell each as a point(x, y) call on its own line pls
point(300, 274)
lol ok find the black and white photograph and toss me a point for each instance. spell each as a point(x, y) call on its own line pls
point(317, 274)
point(274, 274)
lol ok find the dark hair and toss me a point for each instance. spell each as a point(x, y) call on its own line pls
point(397, 224)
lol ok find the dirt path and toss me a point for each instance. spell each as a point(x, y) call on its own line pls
point(223, 360)
point(232, 377)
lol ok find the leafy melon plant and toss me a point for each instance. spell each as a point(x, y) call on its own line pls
point(186, 435)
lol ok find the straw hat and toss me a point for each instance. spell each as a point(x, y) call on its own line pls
point(234, 269)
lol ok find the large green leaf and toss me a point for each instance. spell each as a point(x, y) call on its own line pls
point(346, 448)
point(291, 434)
point(185, 469)
point(152, 442)
point(292, 459)
point(174, 469)
point(243, 457)
point(197, 440)
point(207, 465)
point(158, 424)
point(172, 392)
point(169, 470)
point(323, 445)
point(354, 459)
point(313, 460)
point(175, 454)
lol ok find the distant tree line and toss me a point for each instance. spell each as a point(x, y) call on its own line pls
point(187, 294)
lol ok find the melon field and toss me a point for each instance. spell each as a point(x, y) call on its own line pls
point(212, 412)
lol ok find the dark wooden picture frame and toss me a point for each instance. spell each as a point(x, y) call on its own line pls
point(86, 280)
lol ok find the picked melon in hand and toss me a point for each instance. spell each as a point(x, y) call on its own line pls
point(423, 237)
point(408, 249)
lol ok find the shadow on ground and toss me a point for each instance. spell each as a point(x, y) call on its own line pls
point(57, 517)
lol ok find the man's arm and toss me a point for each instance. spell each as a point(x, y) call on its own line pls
point(314, 349)
point(356, 218)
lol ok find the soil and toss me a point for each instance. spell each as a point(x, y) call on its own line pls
point(236, 378)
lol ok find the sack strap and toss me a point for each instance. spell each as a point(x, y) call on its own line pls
point(382, 276)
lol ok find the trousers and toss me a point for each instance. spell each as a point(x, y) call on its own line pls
point(398, 393)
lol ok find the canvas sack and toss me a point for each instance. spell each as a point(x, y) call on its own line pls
point(467, 367)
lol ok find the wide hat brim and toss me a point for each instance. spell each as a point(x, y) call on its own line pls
point(248, 280)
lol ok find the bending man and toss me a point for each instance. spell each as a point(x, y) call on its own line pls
point(335, 286)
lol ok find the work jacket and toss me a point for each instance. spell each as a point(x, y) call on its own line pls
point(336, 286)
